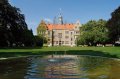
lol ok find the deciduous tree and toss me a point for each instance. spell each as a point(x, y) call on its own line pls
point(113, 25)
point(93, 33)
point(13, 27)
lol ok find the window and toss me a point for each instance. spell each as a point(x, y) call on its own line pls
point(48, 32)
point(66, 32)
point(76, 27)
point(66, 37)
point(62, 42)
point(59, 35)
point(77, 32)
point(56, 42)
point(66, 42)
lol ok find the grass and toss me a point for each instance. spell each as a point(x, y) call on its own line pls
point(113, 52)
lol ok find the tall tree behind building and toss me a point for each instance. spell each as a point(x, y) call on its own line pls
point(41, 31)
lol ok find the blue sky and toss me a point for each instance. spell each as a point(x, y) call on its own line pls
point(72, 10)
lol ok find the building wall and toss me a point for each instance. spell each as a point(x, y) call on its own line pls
point(62, 37)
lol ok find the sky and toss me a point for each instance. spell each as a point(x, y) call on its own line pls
point(72, 10)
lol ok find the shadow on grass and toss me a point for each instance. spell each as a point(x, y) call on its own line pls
point(7, 48)
point(69, 52)
point(14, 54)
point(91, 53)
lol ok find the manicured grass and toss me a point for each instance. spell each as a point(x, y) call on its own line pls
point(94, 51)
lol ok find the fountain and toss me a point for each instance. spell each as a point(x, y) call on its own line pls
point(52, 59)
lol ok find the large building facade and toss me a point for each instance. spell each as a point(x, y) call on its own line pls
point(60, 33)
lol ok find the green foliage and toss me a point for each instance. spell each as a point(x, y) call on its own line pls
point(39, 41)
point(29, 41)
point(41, 31)
point(13, 28)
point(113, 25)
point(93, 32)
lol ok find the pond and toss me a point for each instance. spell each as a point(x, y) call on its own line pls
point(60, 67)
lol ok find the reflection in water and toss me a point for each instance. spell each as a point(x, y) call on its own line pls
point(60, 67)
point(13, 68)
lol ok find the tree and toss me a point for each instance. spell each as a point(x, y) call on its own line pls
point(113, 25)
point(12, 26)
point(38, 41)
point(3, 30)
point(30, 40)
point(41, 31)
point(100, 32)
point(93, 33)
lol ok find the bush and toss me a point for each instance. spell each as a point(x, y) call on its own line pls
point(38, 41)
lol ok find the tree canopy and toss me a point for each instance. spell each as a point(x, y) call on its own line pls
point(13, 28)
point(93, 32)
point(41, 31)
point(113, 25)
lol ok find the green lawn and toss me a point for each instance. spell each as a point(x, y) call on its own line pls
point(94, 51)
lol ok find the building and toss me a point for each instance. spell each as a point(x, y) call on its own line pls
point(60, 33)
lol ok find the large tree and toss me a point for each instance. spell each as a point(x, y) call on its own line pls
point(41, 31)
point(13, 27)
point(42, 28)
point(113, 25)
point(93, 33)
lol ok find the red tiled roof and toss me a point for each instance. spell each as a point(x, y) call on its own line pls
point(60, 26)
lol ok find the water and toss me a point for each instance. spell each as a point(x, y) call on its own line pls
point(60, 67)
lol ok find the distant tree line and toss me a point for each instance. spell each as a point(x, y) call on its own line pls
point(101, 31)
point(13, 28)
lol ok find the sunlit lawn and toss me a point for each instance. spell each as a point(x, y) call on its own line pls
point(95, 51)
